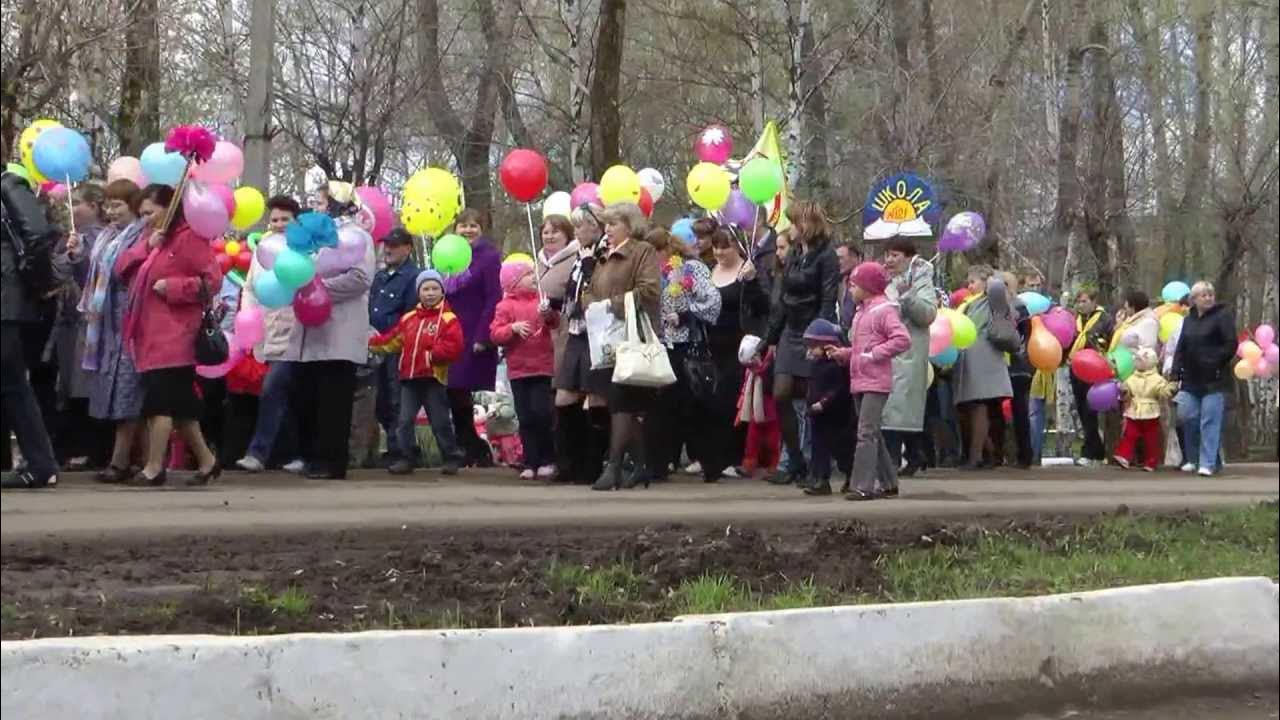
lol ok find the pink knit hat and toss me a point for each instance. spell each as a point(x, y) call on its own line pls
point(511, 273)
point(871, 277)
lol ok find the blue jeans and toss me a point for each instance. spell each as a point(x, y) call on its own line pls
point(802, 424)
point(273, 405)
point(1038, 421)
point(1201, 418)
point(427, 394)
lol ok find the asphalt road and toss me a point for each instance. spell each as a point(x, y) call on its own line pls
point(238, 502)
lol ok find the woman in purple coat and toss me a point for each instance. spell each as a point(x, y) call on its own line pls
point(474, 294)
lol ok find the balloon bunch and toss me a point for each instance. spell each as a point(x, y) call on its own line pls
point(963, 232)
point(1104, 374)
point(295, 264)
point(234, 256)
point(1259, 356)
point(949, 333)
point(432, 199)
point(714, 188)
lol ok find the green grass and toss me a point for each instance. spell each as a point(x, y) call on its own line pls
point(610, 585)
point(293, 601)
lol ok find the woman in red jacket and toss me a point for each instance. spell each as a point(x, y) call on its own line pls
point(520, 330)
point(170, 277)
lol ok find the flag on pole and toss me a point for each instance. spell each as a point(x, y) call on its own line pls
point(769, 147)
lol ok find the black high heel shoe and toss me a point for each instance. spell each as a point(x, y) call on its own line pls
point(113, 475)
point(204, 478)
point(610, 478)
point(635, 477)
point(141, 479)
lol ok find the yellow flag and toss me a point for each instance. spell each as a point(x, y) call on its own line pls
point(769, 147)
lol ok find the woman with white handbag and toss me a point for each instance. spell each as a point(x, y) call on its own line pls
point(628, 275)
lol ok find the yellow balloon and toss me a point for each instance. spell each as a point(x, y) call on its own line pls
point(232, 248)
point(520, 258)
point(1244, 369)
point(619, 184)
point(1169, 324)
point(250, 205)
point(27, 145)
point(437, 185)
point(708, 185)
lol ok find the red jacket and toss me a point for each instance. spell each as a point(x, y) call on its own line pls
point(429, 339)
point(532, 356)
point(160, 330)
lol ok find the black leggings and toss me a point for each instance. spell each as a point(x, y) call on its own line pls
point(785, 389)
point(473, 447)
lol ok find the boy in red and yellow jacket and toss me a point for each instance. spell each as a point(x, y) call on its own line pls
point(429, 338)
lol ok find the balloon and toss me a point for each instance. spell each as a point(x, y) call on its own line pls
point(523, 174)
point(1104, 396)
point(963, 232)
point(1244, 369)
point(683, 229)
point(1272, 355)
point(1090, 367)
point(224, 166)
point(1043, 349)
point(1249, 350)
point(432, 199)
point(738, 210)
point(27, 146)
point(1262, 368)
point(760, 180)
point(1265, 336)
point(519, 257)
point(244, 259)
point(940, 334)
point(250, 326)
point(55, 190)
point(225, 262)
point(329, 262)
point(714, 145)
point(231, 247)
point(62, 154)
point(250, 205)
point(586, 194)
point(376, 201)
point(204, 210)
point(268, 248)
point(708, 186)
point(652, 181)
point(235, 353)
point(1174, 292)
point(958, 296)
point(164, 168)
point(227, 197)
point(426, 217)
point(312, 304)
point(1169, 324)
point(946, 358)
point(557, 203)
point(620, 184)
point(128, 168)
point(451, 254)
point(645, 203)
point(1035, 303)
point(293, 269)
point(353, 245)
point(963, 332)
point(268, 290)
point(1062, 324)
point(1121, 360)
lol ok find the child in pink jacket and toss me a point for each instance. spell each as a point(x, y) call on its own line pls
point(877, 336)
point(525, 338)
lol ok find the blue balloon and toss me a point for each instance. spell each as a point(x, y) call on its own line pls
point(683, 229)
point(1035, 302)
point(164, 168)
point(62, 154)
point(311, 231)
point(1172, 293)
point(946, 358)
point(269, 291)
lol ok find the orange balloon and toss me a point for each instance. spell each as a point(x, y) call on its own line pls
point(1043, 349)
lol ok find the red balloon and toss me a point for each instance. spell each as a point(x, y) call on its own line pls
point(958, 296)
point(243, 259)
point(224, 262)
point(646, 202)
point(312, 305)
point(524, 174)
point(219, 246)
point(1090, 367)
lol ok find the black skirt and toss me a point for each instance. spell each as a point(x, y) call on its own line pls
point(171, 392)
point(573, 373)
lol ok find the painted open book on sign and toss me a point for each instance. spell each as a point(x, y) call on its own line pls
point(901, 205)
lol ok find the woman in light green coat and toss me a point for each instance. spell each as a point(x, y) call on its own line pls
point(911, 287)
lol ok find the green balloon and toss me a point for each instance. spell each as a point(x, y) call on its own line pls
point(293, 269)
point(760, 180)
point(253, 238)
point(451, 254)
point(1122, 362)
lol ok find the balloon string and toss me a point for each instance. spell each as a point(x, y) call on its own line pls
point(177, 197)
point(71, 206)
point(533, 243)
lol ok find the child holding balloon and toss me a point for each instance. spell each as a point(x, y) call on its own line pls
point(1144, 392)
point(519, 328)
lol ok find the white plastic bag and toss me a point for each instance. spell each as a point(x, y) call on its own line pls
point(604, 333)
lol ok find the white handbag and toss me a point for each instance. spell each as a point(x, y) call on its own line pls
point(641, 360)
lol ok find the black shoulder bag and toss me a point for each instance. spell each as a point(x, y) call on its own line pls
point(211, 344)
point(700, 372)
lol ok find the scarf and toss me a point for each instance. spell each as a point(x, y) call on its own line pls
point(138, 290)
point(1082, 330)
point(753, 405)
point(95, 300)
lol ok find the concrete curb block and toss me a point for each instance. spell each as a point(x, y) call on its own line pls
point(912, 660)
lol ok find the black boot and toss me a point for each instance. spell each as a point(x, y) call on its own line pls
point(818, 487)
point(594, 447)
point(610, 478)
point(570, 436)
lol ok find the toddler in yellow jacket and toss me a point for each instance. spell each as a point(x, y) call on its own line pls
point(1143, 393)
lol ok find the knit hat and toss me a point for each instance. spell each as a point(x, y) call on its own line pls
point(871, 277)
point(428, 275)
point(511, 273)
point(822, 331)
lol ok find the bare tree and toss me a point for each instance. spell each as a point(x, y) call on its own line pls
point(606, 107)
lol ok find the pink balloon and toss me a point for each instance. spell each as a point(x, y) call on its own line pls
point(268, 247)
point(224, 166)
point(587, 193)
point(383, 216)
point(1262, 368)
point(205, 211)
point(1062, 324)
point(351, 245)
point(329, 262)
point(312, 305)
point(234, 355)
point(940, 334)
point(56, 191)
point(1265, 336)
point(127, 168)
point(227, 196)
point(1272, 355)
point(714, 144)
point(250, 326)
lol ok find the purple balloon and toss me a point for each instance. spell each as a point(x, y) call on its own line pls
point(351, 245)
point(963, 232)
point(1059, 321)
point(268, 248)
point(1105, 396)
point(738, 210)
point(329, 262)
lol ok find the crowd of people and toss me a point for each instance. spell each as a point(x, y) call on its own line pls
point(796, 357)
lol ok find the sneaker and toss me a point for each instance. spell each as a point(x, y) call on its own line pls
point(693, 468)
point(1148, 468)
point(250, 464)
point(26, 480)
point(1188, 468)
point(730, 473)
point(1121, 462)
point(526, 474)
point(546, 472)
point(1085, 462)
point(1205, 472)
point(297, 467)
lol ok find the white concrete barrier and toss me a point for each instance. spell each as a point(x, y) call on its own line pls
point(912, 660)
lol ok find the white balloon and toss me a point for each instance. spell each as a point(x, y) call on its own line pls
point(557, 203)
point(652, 181)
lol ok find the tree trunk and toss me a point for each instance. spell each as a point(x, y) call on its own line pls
point(138, 120)
point(257, 108)
point(1067, 205)
point(1161, 171)
point(606, 108)
point(756, 54)
point(1187, 219)
point(799, 20)
point(817, 161)
point(1108, 229)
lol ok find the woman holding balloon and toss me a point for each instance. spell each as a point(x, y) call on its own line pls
point(981, 375)
point(555, 262)
point(1202, 363)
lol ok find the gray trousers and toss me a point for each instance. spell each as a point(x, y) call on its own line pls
point(873, 468)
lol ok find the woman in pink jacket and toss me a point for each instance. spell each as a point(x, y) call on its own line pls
point(521, 330)
point(170, 276)
point(877, 336)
